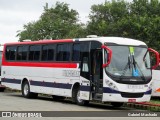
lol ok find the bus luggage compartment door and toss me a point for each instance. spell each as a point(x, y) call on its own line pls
point(84, 89)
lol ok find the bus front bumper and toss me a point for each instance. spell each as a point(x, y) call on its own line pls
point(110, 97)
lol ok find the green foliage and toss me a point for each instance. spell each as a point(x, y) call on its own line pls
point(104, 18)
point(55, 23)
point(139, 19)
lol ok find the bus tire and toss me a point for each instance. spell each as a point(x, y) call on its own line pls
point(56, 98)
point(2, 89)
point(117, 104)
point(26, 91)
point(76, 97)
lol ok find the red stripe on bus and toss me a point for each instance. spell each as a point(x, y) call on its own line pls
point(40, 64)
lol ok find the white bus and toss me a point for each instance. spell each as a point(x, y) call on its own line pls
point(106, 69)
point(2, 88)
point(156, 82)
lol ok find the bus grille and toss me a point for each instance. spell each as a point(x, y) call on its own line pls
point(132, 95)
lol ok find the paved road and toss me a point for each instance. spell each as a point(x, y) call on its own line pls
point(13, 101)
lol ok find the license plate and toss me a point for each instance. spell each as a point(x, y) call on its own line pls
point(135, 86)
point(131, 100)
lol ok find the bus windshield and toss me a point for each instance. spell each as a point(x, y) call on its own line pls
point(129, 61)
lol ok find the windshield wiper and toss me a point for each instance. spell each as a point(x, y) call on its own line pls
point(134, 64)
point(128, 65)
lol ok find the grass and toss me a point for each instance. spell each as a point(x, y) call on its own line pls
point(155, 101)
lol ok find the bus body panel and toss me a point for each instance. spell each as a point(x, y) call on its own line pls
point(55, 81)
point(156, 83)
point(84, 88)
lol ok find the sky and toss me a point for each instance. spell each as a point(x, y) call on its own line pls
point(14, 14)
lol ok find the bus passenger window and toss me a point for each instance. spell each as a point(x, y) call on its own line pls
point(63, 52)
point(48, 53)
point(22, 53)
point(11, 53)
point(34, 53)
point(76, 52)
point(59, 53)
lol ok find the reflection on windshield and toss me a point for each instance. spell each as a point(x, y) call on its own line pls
point(129, 61)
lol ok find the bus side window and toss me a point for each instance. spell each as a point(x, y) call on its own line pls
point(22, 52)
point(59, 56)
point(34, 53)
point(66, 56)
point(76, 52)
point(48, 53)
point(63, 52)
point(11, 52)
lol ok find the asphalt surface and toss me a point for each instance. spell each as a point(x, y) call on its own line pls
point(13, 101)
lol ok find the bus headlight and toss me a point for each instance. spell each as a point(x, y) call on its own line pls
point(111, 85)
point(150, 86)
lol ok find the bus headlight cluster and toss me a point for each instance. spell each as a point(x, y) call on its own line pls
point(111, 85)
point(150, 86)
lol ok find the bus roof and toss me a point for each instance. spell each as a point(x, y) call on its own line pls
point(115, 40)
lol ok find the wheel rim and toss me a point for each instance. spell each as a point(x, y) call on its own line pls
point(26, 89)
point(78, 97)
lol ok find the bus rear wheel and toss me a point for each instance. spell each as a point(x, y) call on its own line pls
point(117, 104)
point(76, 97)
point(26, 91)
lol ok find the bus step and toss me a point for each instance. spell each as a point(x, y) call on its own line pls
point(100, 90)
point(98, 96)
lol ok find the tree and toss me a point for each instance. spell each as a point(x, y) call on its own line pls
point(139, 19)
point(55, 23)
point(104, 18)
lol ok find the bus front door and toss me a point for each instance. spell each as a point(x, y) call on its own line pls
point(85, 78)
point(97, 75)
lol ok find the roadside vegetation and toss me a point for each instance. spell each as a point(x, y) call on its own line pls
point(139, 19)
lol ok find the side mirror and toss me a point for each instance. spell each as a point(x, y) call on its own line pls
point(109, 55)
point(157, 60)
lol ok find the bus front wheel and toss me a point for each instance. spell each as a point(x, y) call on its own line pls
point(76, 97)
point(26, 91)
